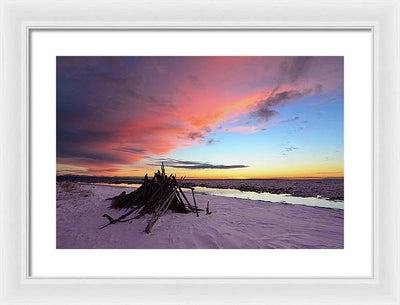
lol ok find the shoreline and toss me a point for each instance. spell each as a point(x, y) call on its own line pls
point(203, 191)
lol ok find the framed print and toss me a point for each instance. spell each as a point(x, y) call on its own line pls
point(239, 155)
point(283, 105)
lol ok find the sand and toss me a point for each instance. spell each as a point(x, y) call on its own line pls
point(234, 224)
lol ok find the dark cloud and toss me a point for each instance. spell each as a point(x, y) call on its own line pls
point(196, 135)
point(282, 98)
point(296, 67)
point(264, 111)
point(88, 155)
point(174, 163)
point(211, 141)
point(130, 150)
point(201, 134)
point(296, 118)
point(80, 136)
point(73, 144)
point(98, 98)
point(264, 114)
point(109, 169)
point(291, 148)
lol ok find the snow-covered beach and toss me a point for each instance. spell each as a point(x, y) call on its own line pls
point(234, 224)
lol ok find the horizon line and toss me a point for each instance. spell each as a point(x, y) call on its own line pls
point(208, 178)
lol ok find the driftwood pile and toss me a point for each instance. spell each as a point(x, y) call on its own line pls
point(153, 197)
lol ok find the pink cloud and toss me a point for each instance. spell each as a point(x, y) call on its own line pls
point(242, 129)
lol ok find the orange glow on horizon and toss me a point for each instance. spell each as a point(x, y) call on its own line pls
point(243, 173)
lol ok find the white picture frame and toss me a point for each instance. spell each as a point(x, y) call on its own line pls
point(18, 18)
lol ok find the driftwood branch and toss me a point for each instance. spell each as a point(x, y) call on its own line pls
point(208, 212)
point(195, 204)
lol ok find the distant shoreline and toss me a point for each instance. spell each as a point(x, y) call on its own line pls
point(136, 179)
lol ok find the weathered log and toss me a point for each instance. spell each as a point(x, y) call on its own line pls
point(160, 211)
point(118, 196)
point(117, 199)
point(183, 195)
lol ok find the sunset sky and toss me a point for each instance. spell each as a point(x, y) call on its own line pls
point(205, 117)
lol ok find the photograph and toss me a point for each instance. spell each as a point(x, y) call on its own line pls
point(199, 152)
